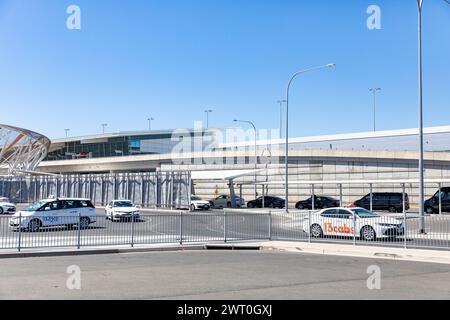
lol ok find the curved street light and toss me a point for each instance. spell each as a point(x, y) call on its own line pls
point(286, 156)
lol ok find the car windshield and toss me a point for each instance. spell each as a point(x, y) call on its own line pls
point(123, 204)
point(195, 198)
point(363, 213)
point(35, 206)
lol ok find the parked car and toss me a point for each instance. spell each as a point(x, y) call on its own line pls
point(360, 222)
point(390, 201)
point(198, 203)
point(68, 212)
point(120, 210)
point(224, 201)
point(432, 205)
point(269, 202)
point(6, 206)
point(319, 203)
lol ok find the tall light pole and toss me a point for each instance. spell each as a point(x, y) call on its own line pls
point(150, 123)
point(67, 132)
point(421, 167)
point(104, 125)
point(286, 151)
point(280, 102)
point(374, 91)
point(207, 117)
point(256, 152)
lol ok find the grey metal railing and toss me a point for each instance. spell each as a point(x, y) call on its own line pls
point(24, 232)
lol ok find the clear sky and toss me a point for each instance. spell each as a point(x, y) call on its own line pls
point(172, 59)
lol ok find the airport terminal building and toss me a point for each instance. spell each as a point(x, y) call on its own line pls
point(215, 162)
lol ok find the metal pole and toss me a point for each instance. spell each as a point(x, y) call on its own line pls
point(404, 218)
point(181, 228)
point(224, 226)
point(270, 225)
point(340, 195)
point(132, 229)
point(263, 197)
point(371, 198)
point(20, 232)
point(286, 146)
point(313, 202)
point(309, 224)
point(354, 229)
point(79, 231)
point(421, 166)
point(440, 199)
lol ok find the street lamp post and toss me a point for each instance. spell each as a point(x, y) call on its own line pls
point(67, 132)
point(150, 123)
point(374, 91)
point(256, 152)
point(280, 102)
point(286, 153)
point(207, 117)
point(104, 125)
point(421, 167)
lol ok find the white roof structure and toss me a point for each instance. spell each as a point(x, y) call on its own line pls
point(221, 174)
point(21, 149)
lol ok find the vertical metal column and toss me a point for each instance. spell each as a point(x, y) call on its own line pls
point(340, 195)
point(225, 226)
point(79, 231)
point(263, 198)
point(404, 217)
point(270, 225)
point(19, 245)
point(371, 197)
point(181, 228)
point(309, 224)
point(133, 217)
point(440, 199)
point(313, 202)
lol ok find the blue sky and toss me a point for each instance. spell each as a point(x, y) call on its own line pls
point(172, 59)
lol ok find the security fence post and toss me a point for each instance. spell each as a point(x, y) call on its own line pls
point(354, 229)
point(309, 225)
point(20, 232)
point(181, 228)
point(270, 225)
point(79, 231)
point(404, 217)
point(133, 217)
point(224, 226)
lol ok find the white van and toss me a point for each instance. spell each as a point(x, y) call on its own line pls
point(68, 212)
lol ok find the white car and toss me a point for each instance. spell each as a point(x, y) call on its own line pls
point(6, 206)
point(358, 222)
point(224, 201)
point(198, 203)
point(68, 212)
point(120, 210)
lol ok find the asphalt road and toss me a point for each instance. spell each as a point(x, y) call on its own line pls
point(164, 227)
point(220, 275)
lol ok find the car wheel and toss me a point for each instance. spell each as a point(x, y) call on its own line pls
point(34, 225)
point(250, 205)
point(192, 207)
point(300, 207)
point(84, 222)
point(392, 209)
point(228, 204)
point(368, 234)
point(271, 206)
point(429, 210)
point(316, 231)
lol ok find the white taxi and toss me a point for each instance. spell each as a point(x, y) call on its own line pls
point(6, 207)
point(357, 222)
point(68, 212)
point(119, 210)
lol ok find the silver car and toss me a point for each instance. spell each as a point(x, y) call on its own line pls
point(224, 201)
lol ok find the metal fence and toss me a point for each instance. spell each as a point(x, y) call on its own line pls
point(150, 189)
point(192, 227)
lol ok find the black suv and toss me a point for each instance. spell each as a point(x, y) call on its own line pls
point(391, 201)
point(269, 202)
point(319, 203)
point(432, 205)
